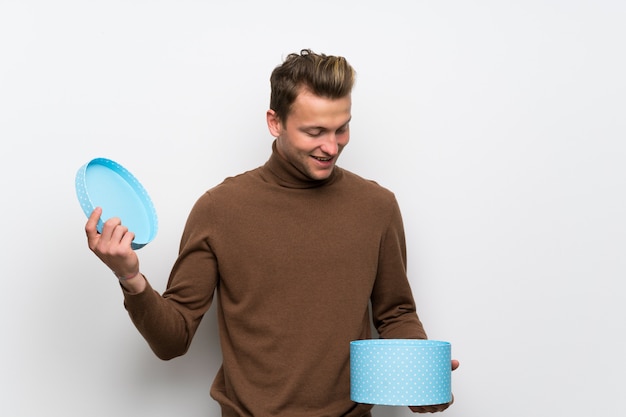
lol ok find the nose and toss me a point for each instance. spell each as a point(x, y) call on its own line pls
point(330, 146)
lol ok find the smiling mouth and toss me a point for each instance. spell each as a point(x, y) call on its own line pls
point(326, 159)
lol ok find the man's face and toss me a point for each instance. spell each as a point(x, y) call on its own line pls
point(314, 134)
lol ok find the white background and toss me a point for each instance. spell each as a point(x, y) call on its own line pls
point(500, 126)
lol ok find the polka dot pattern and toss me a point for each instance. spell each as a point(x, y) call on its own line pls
point(105, 183)
point(400, 372)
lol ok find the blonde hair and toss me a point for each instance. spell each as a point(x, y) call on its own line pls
point(324, 75)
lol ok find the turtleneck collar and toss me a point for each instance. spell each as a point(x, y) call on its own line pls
point(285, 174)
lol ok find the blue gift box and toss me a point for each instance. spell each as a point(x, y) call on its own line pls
point(400, 372)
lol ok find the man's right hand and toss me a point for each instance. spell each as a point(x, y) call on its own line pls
point(113, 247)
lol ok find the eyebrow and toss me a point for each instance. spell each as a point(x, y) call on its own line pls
point(322, 128)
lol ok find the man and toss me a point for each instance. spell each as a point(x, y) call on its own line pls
point(294, 250)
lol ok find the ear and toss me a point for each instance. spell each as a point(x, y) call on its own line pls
point(273, 123)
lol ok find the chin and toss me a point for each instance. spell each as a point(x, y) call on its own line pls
point(322, 175)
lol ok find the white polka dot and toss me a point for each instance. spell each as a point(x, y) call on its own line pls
point(400, 371)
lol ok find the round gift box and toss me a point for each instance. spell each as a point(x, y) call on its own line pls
point(400, 372)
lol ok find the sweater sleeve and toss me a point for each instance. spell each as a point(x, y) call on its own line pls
point(168, 322)
point(393, 306)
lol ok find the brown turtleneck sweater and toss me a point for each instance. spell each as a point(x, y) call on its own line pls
point(294, 264)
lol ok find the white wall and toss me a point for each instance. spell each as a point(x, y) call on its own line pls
point(498, 124)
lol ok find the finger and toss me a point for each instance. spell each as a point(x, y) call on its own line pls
point(428, 408)
point(127, 239)
point(432, 408)
point(455, 364)
point(109, 228)
point(91, 226)
point(93, 219)
point(118, 232)
point(122, 238)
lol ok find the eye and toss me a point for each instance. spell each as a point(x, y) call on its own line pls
point(314, 133)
